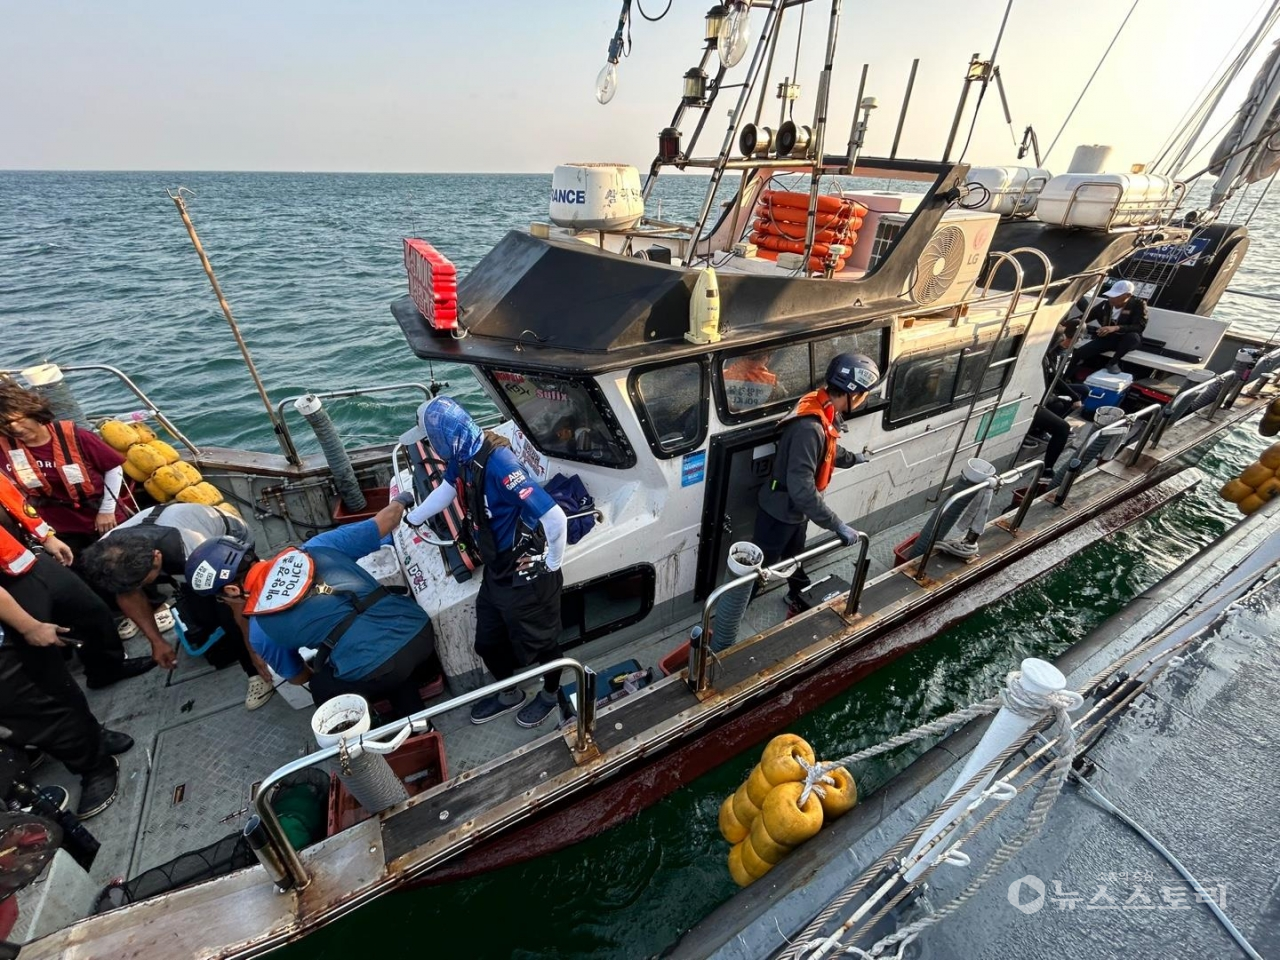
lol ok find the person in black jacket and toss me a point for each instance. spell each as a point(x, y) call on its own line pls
point(1121, 318)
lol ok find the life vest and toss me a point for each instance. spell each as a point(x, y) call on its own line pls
point(471, 485)
point(15, 558)
point(818, 404)
point(280, 585)
point(68, 461)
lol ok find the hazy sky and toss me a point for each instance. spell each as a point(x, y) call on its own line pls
point(499, 85)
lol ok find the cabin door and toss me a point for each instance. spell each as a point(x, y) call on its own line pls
point(738, 464)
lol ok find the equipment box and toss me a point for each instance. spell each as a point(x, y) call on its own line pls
point(1106, 389)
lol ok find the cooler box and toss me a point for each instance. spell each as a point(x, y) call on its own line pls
point(1105, 389)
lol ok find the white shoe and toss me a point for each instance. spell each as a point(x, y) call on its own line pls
point(959, 548)
point(164, 619)
point(126, 628)
point(260, 691)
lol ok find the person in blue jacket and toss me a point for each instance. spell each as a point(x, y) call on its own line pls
point(368, 641)
point(521, 534)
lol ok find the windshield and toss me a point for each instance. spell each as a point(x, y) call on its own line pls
point(564, 417)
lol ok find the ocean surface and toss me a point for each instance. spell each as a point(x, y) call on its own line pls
point(98, 269)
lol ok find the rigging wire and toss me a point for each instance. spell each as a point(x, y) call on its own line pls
point(1089, 82)
point(795, 69)
point(977, 107)
point(1265, 191)
point(640, 7)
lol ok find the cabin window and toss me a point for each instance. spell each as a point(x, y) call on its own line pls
point(671, 402)
point(871, 343)
point(929, 383)
point(765, 377)
point(597, 607)
point(565, 418)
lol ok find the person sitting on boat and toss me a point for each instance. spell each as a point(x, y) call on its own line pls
point(152, 547)
point(1120, 317)
point(369, 640)
point(748, 381)
point(807, 455)
point(1050, 419)
point(521, 534)
point(67, 472)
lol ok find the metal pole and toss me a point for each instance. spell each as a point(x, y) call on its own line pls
point(1144, 438)
point(1028, 497)
point(906, 99)
point(955, 124)
point(820, 129)
point(861, 570)
point(857, 135)
point(178, 202)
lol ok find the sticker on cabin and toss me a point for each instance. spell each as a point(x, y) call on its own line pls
point(993, 424)
point(693, 468)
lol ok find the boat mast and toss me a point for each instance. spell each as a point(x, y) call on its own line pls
point(820, 126)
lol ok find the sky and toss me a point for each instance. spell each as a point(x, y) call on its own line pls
point(504, 86)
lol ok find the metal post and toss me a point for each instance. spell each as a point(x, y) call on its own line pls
point(906, 99)
point(291, 455)
point(1073, 470)
point(1028, 497)
point(861, 570)
point(857, 131)
point(955, 124)
point(587, 708)
point(1144, 438)
point(821, 105)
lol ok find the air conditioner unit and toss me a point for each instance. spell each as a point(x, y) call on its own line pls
point(951, 260)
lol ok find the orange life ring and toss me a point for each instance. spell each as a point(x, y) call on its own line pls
point(791, 215)
point(796, 232)
point(826, 202)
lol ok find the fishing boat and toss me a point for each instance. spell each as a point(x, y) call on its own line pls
point(655, 361)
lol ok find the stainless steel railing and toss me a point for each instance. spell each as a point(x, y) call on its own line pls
point(296, 873)
point(286, 437)
point(994, 484)
point(700, 647)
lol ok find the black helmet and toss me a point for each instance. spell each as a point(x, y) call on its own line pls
point(852, 373)
point(214, 564)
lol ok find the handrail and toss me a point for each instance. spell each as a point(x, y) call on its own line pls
point(1076, 464)
point(1174, 409)
point(295, 869)
point(133, 388)
point(994, 484)
point(698, 651)
point(287, 437)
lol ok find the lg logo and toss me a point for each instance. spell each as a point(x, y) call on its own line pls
point(1036, 886)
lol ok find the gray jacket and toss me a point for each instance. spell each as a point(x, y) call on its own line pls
point(790, 495)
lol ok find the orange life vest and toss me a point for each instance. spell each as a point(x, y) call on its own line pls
point(68, 461)
point(818, 404)
point(15, 558)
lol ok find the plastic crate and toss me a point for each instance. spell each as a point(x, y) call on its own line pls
point(902, 552)
point(419, 763)
point(676, 660)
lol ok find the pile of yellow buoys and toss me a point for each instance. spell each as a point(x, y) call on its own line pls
point(764, 818)
point(1259, 482)
point(157, 466)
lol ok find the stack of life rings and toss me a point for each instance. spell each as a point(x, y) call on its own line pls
point(782, 218)
point(157, 466)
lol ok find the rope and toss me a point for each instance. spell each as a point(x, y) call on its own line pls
point(1089, 82)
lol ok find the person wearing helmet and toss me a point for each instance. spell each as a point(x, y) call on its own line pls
point(1120, 318)
point(807, 455)
point(369, 641)
point(521, 535)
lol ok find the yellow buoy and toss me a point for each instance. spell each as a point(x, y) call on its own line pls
point(1233, 491)
point(751, 862)
point(736, 870)
point(145, 433)
point(1268, 488)
point(170, 455)
point(1250, 504)
point(1255, 475)
point(779, 763)
point(743, 808)
point(146, 458)
point(842, 797)
point(786, 820)
point(765, 847)
point(170, 479)
point(730, 827)
point(133, 473)
point(157, 492)
point(118, 436)
point(1271, 457)
point(229, 509)
point(202, 492)
point(190, 473)
point(757, 786)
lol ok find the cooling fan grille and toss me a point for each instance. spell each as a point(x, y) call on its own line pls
point(939, 264)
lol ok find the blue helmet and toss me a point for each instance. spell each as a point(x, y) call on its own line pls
point(450, 430)
point(214, 564)
point(852, 373)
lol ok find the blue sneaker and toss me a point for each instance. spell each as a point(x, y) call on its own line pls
point(482, 711)
point(539, 709)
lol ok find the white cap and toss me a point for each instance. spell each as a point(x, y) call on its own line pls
point(1120, 288)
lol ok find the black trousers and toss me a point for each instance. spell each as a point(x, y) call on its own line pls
point(395, 680)
point(42, 705)
point(518, 625)
point(202, 616)
point(1118, 343)
point(53, 594)
point(1059, 433)
point(780, 541)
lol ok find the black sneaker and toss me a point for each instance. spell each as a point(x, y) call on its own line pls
point(537, 710)
point(797, 603)
point(482, 711)
point(115, 742)
point(98, 789)
point(129, 668)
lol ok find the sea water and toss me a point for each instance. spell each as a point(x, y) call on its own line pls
point(97, 268)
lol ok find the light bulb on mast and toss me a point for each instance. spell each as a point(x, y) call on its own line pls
point(735, 35)
point(607, 78)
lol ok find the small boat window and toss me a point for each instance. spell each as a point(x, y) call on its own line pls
point(672, 404)
point(870, 343)
point(765, 377)
point(930, 383)
point(564, 417)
